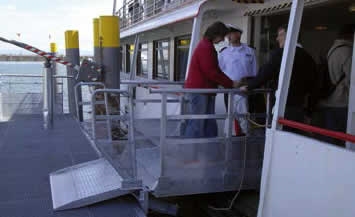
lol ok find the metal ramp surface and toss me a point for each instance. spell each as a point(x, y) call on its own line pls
point(85, 184)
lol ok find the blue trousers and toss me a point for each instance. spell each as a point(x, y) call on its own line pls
point(335, 119)
point(200, 104)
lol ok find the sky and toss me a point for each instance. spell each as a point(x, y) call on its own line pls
point(39, 22)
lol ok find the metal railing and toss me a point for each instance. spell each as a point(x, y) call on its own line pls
point(108, 117)
point(135, 11)
point(125, 161)
point(79, 104)
point(132, 179)
point(320, 131)
point(229, 117)
point(23, 93)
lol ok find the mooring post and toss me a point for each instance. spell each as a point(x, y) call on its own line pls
point(72, 54)
point(48, 95)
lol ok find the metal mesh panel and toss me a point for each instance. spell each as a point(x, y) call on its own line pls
point(23, 94)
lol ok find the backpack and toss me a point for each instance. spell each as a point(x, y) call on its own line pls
point(326, 86)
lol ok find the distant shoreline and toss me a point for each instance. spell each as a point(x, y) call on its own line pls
point(28, 58)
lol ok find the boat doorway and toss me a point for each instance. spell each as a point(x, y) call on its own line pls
point(319, 28)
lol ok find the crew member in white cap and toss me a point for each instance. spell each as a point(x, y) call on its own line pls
point(238, 61)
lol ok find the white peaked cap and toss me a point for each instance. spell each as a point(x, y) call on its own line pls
point(233, 27)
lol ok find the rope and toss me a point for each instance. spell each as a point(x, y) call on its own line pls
point(240, 186)
point(255, 123)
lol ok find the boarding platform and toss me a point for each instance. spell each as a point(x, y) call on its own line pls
point(149, 156)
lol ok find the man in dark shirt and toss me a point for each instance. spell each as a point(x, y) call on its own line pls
point(301, 85)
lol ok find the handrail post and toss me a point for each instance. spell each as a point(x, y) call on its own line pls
point(48, 96)
point(93, 114)
point(77, 99)
point(131, 137)
point(163, 126)
point(229, 126)
point(108, 119)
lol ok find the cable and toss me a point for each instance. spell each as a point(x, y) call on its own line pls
point(255, 123)
point(240, 186)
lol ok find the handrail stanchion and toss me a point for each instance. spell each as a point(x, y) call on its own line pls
point(93, 115)
point(76, 99)
point(229, 126)
point(131, 136)
point(163, 125)
point(76, 92)
point(48, 95)
point(108, 119)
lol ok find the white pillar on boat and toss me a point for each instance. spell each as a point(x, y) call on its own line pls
point(284, 81)
point(287, 60)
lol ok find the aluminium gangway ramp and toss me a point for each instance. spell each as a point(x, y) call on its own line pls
point(28, 153)
point(85, 184)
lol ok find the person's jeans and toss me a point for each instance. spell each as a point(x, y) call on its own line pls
point(335, 119)
point(200, 104)
point(295, 113)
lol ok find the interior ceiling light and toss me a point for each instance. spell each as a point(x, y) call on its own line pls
point(352, 7)
point(321, 28)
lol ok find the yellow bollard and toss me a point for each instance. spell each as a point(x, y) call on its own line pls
point(72, 54)
point(53, 47)
point(109, 37)
point(96, 36)
point(109, 31)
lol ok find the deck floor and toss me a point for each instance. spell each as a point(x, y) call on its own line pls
point(28, 153)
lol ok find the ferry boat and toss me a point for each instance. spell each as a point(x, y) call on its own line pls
point(149, 159)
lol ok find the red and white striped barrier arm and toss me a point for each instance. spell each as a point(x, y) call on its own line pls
point(46, 55)
point(51, 57)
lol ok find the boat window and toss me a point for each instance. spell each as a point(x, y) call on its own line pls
point(182, 46)
point(142, 60)
point(161, 59)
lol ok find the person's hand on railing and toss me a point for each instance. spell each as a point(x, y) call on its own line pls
point(244, 88)
point(236, 84)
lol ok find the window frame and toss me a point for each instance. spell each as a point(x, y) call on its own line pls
point(139, 67)
point(155, 59)
point(176, 50)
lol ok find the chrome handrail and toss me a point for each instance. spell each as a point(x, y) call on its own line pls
point(206, 91)
point(21, 75)
point(146, 83)
point(131, 140)
point(76, 94)
point(229, 117)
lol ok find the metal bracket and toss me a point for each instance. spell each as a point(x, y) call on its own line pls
point(89, 71)
point(131, 184)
